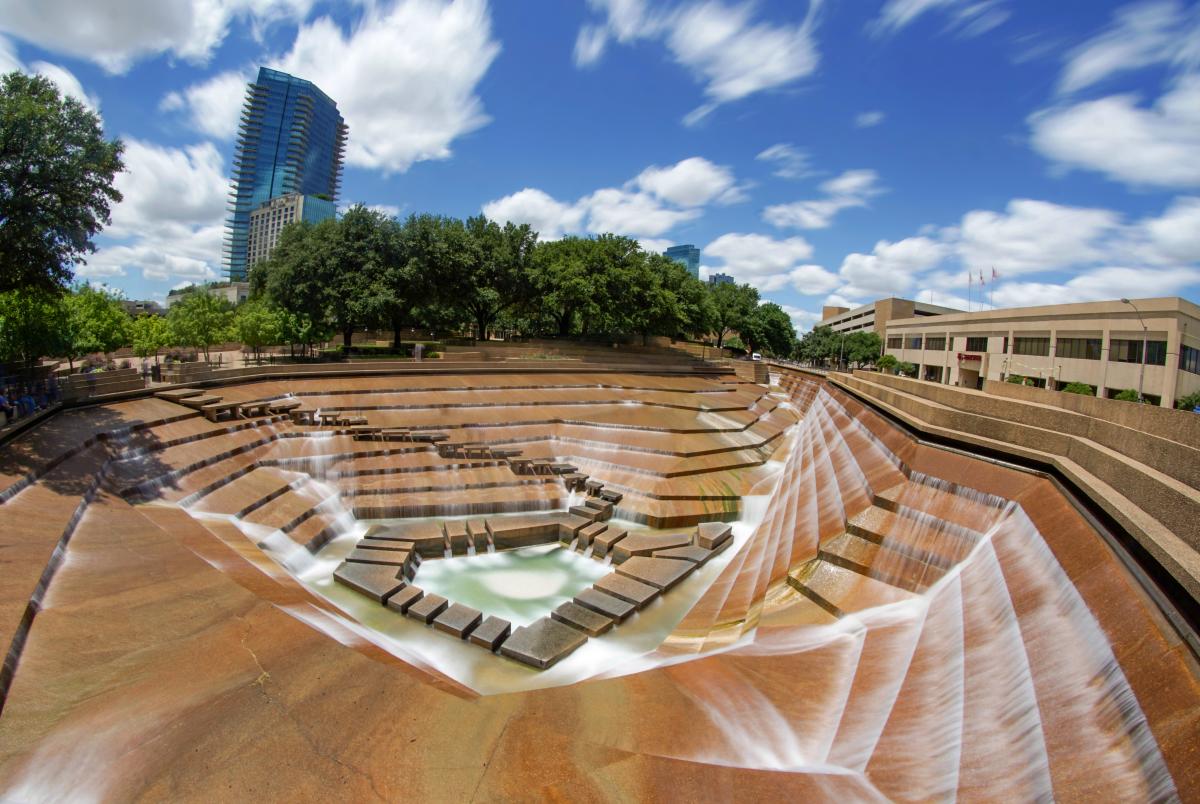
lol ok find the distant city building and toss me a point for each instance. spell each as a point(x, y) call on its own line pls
point(720, 279)
point(688, 254)
point(267, 221)
point(1110, 345)
point(874, 316)
point(291, 140)
point(136, 307)
point(232, 292)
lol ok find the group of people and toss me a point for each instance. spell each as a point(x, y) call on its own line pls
point(17, 401)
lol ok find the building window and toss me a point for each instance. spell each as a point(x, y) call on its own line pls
point(895, 342)
point(1130, 351)
point(1078, 348)
point(977, 344)
point(1038, 347)
point(1189, 359)
point(912, 342)
point(936, 344)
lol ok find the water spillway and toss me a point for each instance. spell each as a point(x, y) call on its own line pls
point(890, 620)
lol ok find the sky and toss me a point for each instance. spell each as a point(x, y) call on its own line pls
point(828, 152)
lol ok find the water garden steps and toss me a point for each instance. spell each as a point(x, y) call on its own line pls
point(841, 591)
point(249, 492)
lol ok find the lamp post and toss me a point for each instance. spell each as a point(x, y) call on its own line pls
point(1145, 335)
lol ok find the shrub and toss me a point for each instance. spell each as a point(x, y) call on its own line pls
point(886, 363)
point(907, 369)
point(1128, 395)
point(1188, 402)
point(432, 355)
point(1081, 388)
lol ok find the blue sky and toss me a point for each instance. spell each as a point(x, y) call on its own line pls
point(831, 152)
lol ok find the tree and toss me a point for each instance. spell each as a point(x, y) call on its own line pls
point(1128, 395)
point(56, 182)
point(92, 321)
point(149, 335)
point(887, 363)
point(768, 328)
point(862, 347)
point(200, 320)
point(29, 326)
point(1081, 388)
point(819, 344)
point(495, 275)
point(353, 270)
point(906, 369)
point(257, 324)
point(731, 305)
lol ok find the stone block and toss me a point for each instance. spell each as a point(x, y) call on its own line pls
point(428, 607)
point(710, 535)
point(456, 536)
point(661, 573)
point(627, 589)
point(401, 600)
point(522, 531)
point(604, 542)
point(589, 533)
point(583, 619)
point(458, 620)
point(645, 544)
point(613, 497)
point(367, 555)
point(491, 632)
point(385, 544)
point(590, 514)
point(375, 581)
point(543, 643)
point(604, 603)
point(692, 553)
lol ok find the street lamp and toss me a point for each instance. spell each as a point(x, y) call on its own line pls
point(1145, 335)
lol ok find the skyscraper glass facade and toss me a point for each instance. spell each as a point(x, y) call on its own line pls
point(291, 140)
point(688, 254)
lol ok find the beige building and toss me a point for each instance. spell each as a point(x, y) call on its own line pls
point(876, 315)
point(268, 221)
point(233, 292)
point(1097, 343)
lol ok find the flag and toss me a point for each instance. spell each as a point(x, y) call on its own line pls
point(981, 277)
point(995, 275)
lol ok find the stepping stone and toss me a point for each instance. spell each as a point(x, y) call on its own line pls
point(479, 534)
point(376, 582)
point(491, 632)
point(176, 394)
point(692, 553)
point(604, 542)
point(590, 532)
point(646, 544)
point(457, 537)
point(710, 535)
point(605, 508)
point(661, 573)
point(613, 497)
point(627, 589)
point(458, 620)
point(428, 607)
point(384, 544)
point(402, 600)
point(543, 643)
point(590, 514)
point(366, 555)
point(593, 486)
point(606, 604)
point(585, 620)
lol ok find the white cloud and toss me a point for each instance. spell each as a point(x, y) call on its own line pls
point(656, 245)
point(722, 45)
point(790, 161)
point(868, 119)
point(851, 189)
point(390, 210)
point(404, 78)
point(649, 205)
point(1140, 146)
point(214, 107)
point(691, 182)
point(60, 76)
point(770, 264)
point(1175, 236)
point(115, 35)
point(1032, 236)
point(170, 222)
point(891, 268)
point(967, 18)
point(801, 319)
point(550, 218)
point(1098, 284)
point(1140, 35)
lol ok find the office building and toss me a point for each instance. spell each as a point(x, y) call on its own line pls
point(233, 292)
point(291, 140)
point(876, 315)
point(269, 219)
point(1110, 345)
point(720, 279)
point(688, 255)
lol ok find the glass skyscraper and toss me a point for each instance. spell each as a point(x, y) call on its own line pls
point(688, 254)
point(291, 140)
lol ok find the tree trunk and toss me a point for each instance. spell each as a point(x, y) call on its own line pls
point(396, 332)
point(481, 323)
point(347, 338)
point(720, 337)
point(564, 324)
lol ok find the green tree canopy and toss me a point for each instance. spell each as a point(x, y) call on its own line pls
point(92, 321)
point(56, 182)
point(862, 347)
point(887, 363)
point(29, 326)
point(769, 329)
point(731, 305)
point(149, 334)
point(258, 324)
point(200, 320)
point(495, 271)
point(819, 344)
